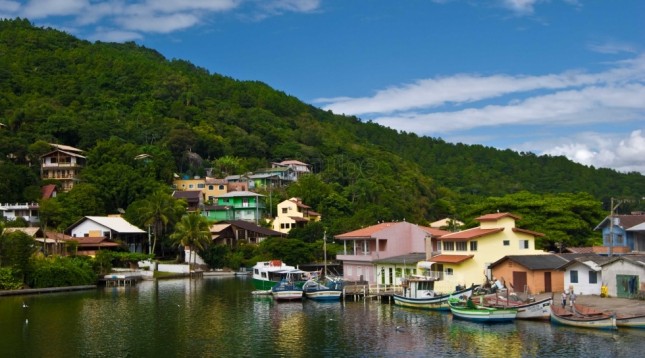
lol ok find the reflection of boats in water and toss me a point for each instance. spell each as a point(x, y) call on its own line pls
point(419, 292)
point(583, 317)
point(467, 310)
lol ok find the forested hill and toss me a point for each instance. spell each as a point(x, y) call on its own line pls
point(119, 100)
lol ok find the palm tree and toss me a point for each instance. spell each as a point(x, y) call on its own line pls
point(158, 211)
point(192, 231)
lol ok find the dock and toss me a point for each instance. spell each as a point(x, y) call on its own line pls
point(363, 290)
point(122, 279)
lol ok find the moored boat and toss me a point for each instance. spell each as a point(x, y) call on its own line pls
point(331, 290)
point(467, 310)
point(582, 317)
point(418, 292)
point(287, 289)
point(630, 321)
point(538, 310)
point(267, 274)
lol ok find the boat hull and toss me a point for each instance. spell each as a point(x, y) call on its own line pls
point(324, 295)
point(436, 303)
point(563, 317)
point(538, 310)
point(630, 321)
point(484, 314)
point(287, 295)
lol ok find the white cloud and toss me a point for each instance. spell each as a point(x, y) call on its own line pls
point(115, 35)
point(603, 150)
point(8, 7)
point(523, 7)
point(159, 23)
point(613, 47)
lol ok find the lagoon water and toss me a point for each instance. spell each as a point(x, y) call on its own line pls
point(219, 317)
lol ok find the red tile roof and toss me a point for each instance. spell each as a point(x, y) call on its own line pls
point(496, 216)
point(366, 232)
point(534, 233)
point(450, 259)
point(434, 231)
point(469, 234)
point(47, 191)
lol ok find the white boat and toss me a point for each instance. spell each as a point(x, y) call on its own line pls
point(538, 310)
point(267, 274)
point(331, 290)
point(582, 317)
point(289, 288)
point(418, 292)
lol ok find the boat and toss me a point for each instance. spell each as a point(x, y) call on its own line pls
point(324, 288)
point(583, 317)
point(418, 292)
point(467, 310)
point(288, 289)
point(537, 310)
point(630, 321)
point(267, 274)
point(327, 290)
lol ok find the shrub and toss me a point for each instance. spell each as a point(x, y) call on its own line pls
point(9, 279)
point(62, 271)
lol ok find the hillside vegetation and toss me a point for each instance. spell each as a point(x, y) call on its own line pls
point(117, 101)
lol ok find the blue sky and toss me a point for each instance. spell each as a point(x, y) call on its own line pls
point(558, 77)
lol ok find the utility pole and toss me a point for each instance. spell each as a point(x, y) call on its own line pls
point(611, 225)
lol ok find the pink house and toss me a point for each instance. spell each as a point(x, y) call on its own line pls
point(386, 252)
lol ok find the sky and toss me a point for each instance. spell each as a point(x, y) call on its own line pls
point(554, 77)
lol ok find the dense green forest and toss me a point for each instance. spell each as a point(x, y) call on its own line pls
point(116, 101)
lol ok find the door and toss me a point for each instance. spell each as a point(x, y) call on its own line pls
point(547, 282)
point(627, 286)
point(519, 281)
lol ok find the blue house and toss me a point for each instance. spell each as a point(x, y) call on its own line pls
point(623, 231)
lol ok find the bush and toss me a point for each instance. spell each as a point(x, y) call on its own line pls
point(62, 271)
point(9, 279)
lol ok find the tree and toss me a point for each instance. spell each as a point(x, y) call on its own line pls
point(16, 249)
point(193, 232)
point(157, 211)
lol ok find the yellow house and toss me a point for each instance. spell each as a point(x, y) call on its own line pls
point(293, 213)
point(465, 256)
point(211, 188)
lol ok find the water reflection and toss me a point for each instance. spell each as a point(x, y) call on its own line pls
point(218, 317)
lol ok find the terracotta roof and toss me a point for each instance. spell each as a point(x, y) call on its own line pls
point(300, 204)
point(434, 231)
point(496, 216)
point(31, 231)
point(450, 259)
point(298, 219)
point(469, 234)
point(187, 194)
point(534, 233)
point(366, 232)
point(47, 191)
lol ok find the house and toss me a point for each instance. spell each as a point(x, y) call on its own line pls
point(375, 253)
point(48, 191)
point(113, 228)
point(63, 164)
point(465, 256)
point(238, 205)
point(26, 211)
point(293, 213)
point(299, 168)
point(530, 273)
point(279, 176)
point(617, 231)
point(232, 232)
point(584, 274)
point(193, 198)
point(210, 187)
point(624, 275)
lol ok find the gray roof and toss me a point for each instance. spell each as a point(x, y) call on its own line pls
point(235, 194)
point(535, 262)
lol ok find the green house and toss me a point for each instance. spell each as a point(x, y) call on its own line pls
point(237, 205)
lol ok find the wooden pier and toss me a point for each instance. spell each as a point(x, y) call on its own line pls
point(362, 290)
point(121, 280)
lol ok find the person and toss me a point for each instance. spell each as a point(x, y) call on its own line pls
point(564, 299)
point(572, 301)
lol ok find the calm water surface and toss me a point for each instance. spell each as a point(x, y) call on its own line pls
point(218, 317)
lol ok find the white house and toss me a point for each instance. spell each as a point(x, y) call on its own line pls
point(114, 228)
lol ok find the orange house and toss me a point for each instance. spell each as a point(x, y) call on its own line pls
point(530, 273)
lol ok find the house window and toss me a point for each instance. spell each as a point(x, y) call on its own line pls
point(448, 246)
point(507, 243)
point(221, 187)
point(524, 244)
point(593, 277)
point(473, 246)
point(190, 186)
point(210, 187)
point(285, 210)
point(619, 239)
point(281, 226)
point(200, 186)
point(573, 276)
point(448, 272)
point(461, 246)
